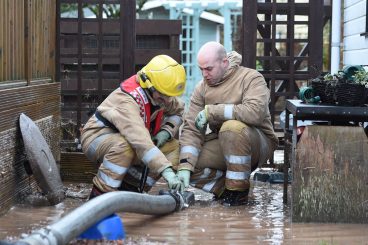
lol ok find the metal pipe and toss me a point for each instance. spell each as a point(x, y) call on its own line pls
point(335, 36)
point(83, 217)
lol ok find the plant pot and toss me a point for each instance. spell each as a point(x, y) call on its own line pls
point(325, 90)
point(350, 94)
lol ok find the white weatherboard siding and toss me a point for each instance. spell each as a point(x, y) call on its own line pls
point(355, 46)
point(354, 27)
point(348, 3)
point(356, 57)
point(355, 42)
point(354, 10)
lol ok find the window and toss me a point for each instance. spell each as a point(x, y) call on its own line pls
point(366, 20)
point(366, 17)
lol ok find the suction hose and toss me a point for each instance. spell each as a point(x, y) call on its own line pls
point(80, 219)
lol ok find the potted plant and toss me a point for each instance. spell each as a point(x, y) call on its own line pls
point(351, 90)
point(361, 77)
point(324, 87)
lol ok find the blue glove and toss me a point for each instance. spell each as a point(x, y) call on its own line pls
point(161, 138)
point(172, 180)
point(184, 177)
point(201, 121)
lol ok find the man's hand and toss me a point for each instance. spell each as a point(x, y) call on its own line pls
point(161, 138)
point(201, 121)
point(172, 180)
point(184, 177)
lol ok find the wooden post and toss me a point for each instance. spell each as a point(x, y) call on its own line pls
point(330, 175)
point(27, 44)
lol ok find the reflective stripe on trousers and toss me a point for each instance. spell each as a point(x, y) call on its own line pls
point(92, 148)
point(115, 156)
point(209, 180)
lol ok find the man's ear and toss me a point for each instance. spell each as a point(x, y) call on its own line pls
point(226, 62)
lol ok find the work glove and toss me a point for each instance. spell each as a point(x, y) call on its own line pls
point(172, 180)
point(184, 177)
point(161, 138)
point(201, 120)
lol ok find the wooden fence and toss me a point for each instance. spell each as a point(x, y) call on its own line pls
point(95, 54)
point(287, 61)
point(27, 71)
point(27, 40)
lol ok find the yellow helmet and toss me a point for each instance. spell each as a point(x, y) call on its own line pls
point(164, 74)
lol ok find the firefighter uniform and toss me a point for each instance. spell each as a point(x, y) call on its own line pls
point(240, 136)
point(118, 137)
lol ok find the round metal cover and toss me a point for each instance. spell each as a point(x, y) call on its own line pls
point(41, 160)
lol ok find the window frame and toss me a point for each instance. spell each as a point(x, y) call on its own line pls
point(366, 20)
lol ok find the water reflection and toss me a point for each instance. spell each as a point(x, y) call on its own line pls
point(265, 220)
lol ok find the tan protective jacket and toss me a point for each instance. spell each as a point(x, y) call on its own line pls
point(246, 89)
point(120, 109)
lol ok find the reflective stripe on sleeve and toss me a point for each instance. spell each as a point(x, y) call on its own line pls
point(176, 119)
point(228, 112)
point(150, 154)
point(190, 149)
point(233, 159)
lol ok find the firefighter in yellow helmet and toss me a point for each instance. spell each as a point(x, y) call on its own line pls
point(130, 136)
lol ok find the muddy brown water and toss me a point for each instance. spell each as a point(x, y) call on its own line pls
point(265, 220)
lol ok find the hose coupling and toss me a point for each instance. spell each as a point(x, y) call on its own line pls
point(183, 200)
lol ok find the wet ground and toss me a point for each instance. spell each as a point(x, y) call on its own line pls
point(265, 220)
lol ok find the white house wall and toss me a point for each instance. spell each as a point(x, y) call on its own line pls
point(355, 46)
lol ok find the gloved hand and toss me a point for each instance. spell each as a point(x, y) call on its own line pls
point(201, 120)
point(161, 138)
point(172, 180)
point(184, 177)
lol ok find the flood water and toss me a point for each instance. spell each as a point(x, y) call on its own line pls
point(265, 220)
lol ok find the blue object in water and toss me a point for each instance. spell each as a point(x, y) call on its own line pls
point(109, 228)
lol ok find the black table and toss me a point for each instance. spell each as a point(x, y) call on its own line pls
point(302, 111)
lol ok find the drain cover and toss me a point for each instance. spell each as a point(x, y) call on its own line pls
point(41, 160)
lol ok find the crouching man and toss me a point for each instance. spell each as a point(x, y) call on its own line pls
point(233, 101)
point(132, 130)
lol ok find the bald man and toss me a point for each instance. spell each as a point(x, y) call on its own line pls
point(227, 130)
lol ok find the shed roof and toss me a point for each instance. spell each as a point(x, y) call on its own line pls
point(188, 8)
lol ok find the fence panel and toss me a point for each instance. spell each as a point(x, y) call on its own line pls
point(27, 71)
point(27, 41)
point(97, 52)
point(12, 40)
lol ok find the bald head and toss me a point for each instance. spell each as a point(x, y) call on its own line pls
point(211, 50)
point(212, 61)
